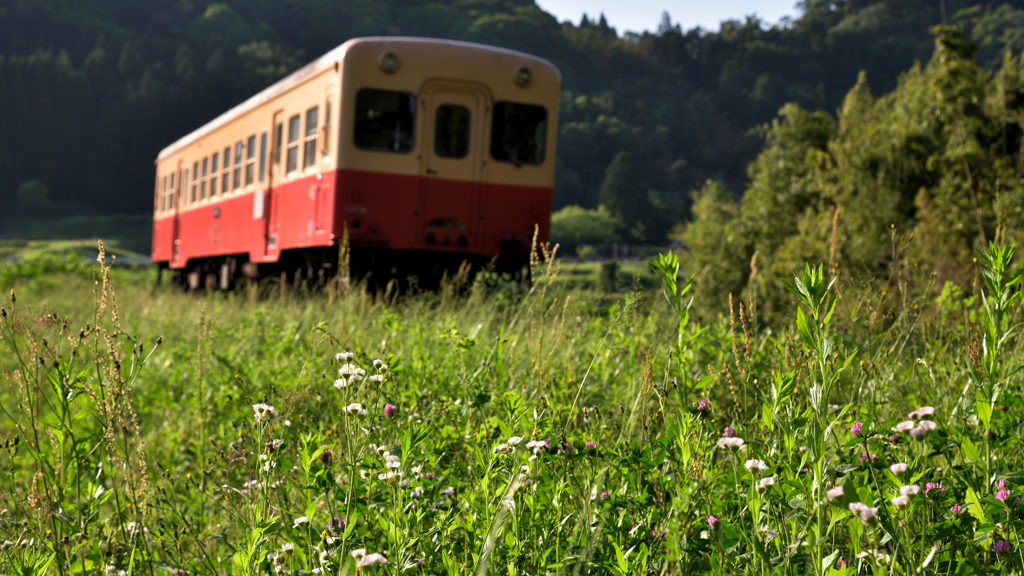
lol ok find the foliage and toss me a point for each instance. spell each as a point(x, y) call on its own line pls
point(599, 433)
point(573, 226)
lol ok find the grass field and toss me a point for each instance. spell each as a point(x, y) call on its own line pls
point(571, 427)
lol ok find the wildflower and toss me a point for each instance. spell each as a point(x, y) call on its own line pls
point(392, 461)
point(857, 429)
point(604, 495)
point(376, 378)
point(344, 356)
point(956, 509)
point(515, 440)
point(1002, 547)
point(429, 475)
point(835, 493)
point(867, 515)
point(417, 492)
point(325, 557)
point(566, 449)
point(865, 457)
point(275, 445)
point(704, 407)
point(264, 413)
point(900, 502)
point(357, 376)
point(502, 449)
point(899, 468)
point(270, 465)
point(524, 469)
point(449, 491)
point(379, 365)
point(767, 532)
point(590, 447)
point(904, 426)
point(927, 425)
point(335, 524)
point(1002, 494)
point(348, 370)
point(390, 410)
point(539, 445)
point(841, 563)
point(923, 411)
point(340, 383)
point(765, 483)
point(910, 490)
point(299, 521)
point(713, 523)
point(755, 466)
point(355, 409)
point(370, 560)
point(326, 457)
point(934, 486)
point(734, 442)
point(877, 557)
point(728, 432)
point(390, 477)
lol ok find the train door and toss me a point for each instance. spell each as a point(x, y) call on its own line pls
point(449, 199)
point(177, 190)
point(271, 213)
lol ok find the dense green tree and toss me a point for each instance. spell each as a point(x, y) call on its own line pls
point(573, 226)
point(624, 192)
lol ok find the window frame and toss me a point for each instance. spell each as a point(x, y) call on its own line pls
point(494, 132)
point(291, 163)
point(412, 126)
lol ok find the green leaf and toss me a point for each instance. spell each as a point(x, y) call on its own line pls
point(970, 450)
point(984, 411)
point(974, 506)
point(767, 417)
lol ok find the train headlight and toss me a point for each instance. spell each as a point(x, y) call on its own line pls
point(388, 62)
point(523, 76)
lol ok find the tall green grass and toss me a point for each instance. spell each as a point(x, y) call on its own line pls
point(494, 429)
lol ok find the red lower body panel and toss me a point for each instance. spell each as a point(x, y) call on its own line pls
point(378, 210)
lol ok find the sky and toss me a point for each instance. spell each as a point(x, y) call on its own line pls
point(640, 15)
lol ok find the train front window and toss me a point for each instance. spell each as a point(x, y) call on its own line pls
point(384, 120)
point(519, 133)
point(292, 162)
point(451, 131)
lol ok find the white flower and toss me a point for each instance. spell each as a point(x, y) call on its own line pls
point(344, 356)
point(755, 466)
point(835, 493)
point(376, 378)
point(355, 409)
point(532, 458)
point(299, 521)
point(276, 443)
point(502, 449)
point(910, 490)
point(765, 483)
point(368, 560)
point(318, 571)
point(264, 413)
point(899, 468)
point(325, 557)
point(390, 476)
point(347, 370)
point(515, 440)
point(270, 465)
point(867, 515)
point(449, 491)
point(340, 383)
point(904, 426)
point(416, 470)
point(264, 457)
point(922, 411)
point(288, 547)
point(900, 502)
point(875, 555)
point(524, 469)
point(734, 442)
point(417, 492)
point(927, 425)
point(378, 365)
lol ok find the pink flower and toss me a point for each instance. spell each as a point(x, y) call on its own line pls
point(604, 495)
point(864, 457)
point(713, 522)
point(841, 563)
point(1002, 547)
point(390, 410)
point(728, 432)
point(429, 475)
point(857, 429)
point(326, 457)
point(934, 486)
point(956, 509)
point(922, 411)
point(904, 426)
point(1002, 494)
point(704, 407)
point(867, 515)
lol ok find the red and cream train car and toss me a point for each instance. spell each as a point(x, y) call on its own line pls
point(425, 152)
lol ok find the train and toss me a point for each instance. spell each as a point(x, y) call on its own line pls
point(412, 155)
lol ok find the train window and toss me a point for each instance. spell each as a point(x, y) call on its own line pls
point(327, 128)
point(184, 186)
point(263, 156)
point(195, 179)
point(213, 175)
point(237, 175)
point(278, 138)
point(384, 120)
point(250, 160)
point(163, 194)
point(202, 184)
point(292, 163)
point(451, 131)
point(519, 133)
point(225, 178)
point(309, 147)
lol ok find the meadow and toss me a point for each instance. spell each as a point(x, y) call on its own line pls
point(565, 427)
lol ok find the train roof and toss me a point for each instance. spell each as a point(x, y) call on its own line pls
point(322, 63)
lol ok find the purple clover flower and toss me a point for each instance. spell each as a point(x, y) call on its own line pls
point(864, 457)
point(1002, 494)
point(857, 429)
point(956, 509)
point(704, 407)
point(934, 486)
point(390, 410)
point(326, 457)
point(713, 522)
point(1002, 547)
point(841, 563)
point(729, 432)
